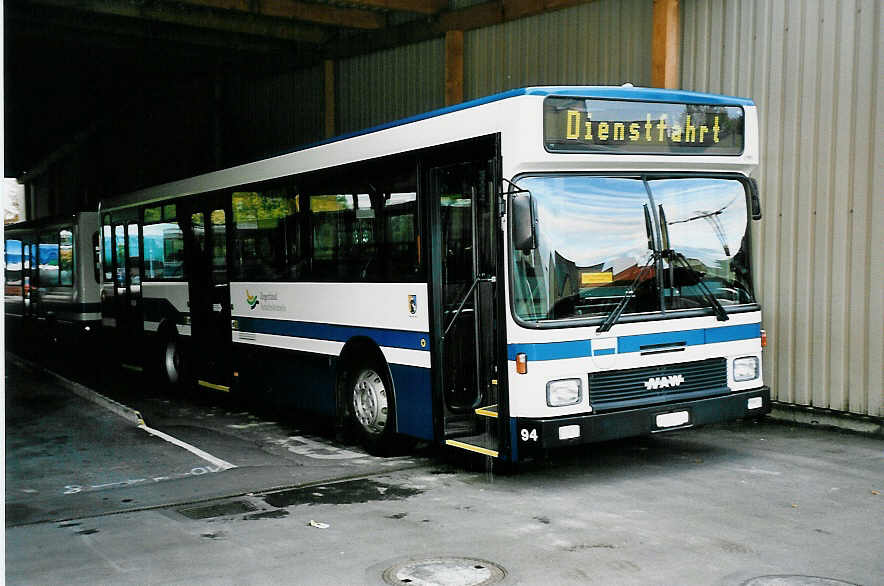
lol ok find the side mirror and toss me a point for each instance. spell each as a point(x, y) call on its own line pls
point(522, 211)
point(755, 199)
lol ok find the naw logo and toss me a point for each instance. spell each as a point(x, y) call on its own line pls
point(252, 300)
point(664, 382)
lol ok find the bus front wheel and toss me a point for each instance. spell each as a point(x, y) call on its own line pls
point(372, 408)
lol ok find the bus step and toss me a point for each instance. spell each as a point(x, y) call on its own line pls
point(474, 444)
point(489, 411)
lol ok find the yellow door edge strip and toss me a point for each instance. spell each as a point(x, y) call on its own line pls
point(209, 385)
point(490, 411)
point(471, 448)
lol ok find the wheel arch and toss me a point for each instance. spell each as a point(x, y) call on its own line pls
point(356, 351)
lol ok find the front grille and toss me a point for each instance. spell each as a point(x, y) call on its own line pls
point(636, 386)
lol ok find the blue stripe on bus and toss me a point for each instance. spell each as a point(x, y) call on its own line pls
point(335, 333)
point(582, 348)
point(731, 333)
point(686, 337)
point(690, 337)
point(551, 350)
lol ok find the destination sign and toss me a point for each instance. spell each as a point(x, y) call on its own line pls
point(577, 125)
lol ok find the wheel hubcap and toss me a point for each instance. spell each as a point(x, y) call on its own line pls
point(370, 401)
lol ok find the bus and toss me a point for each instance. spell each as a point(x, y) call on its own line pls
point(544, 267)
point(51, 288)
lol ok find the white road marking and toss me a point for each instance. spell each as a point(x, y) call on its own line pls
point(313, 449)
point(198, 471)
point(221, 464)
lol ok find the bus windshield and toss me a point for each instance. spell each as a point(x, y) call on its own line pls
point(599, 239)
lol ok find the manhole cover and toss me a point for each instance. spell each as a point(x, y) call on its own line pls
point(790, 580)
point(445, 572)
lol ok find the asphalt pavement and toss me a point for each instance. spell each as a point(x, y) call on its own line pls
point(741, 504)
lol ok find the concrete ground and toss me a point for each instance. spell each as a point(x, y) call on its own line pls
point(746, 503)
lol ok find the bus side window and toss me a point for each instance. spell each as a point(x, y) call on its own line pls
point(401, 255)
point(47, 259)
point(96, 256)
point(108, 244)
point(13, 265)
point(263, 238)
point(66, 257)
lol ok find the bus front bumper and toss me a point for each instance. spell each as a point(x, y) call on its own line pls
point(532, 434)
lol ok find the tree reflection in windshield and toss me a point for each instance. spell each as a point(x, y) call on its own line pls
point(593, 242)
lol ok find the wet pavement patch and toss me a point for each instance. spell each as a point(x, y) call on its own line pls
point(275, 514)
point(87, 532)
point(441, 571)
point(340, 493)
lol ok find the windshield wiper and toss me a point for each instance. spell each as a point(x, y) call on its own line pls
point(628, 295)
point(630, 291)
point(669, 254)
point(674, 256)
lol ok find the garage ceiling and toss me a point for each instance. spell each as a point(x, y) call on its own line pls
point(71, 62)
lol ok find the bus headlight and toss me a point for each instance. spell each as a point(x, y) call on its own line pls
point(560, 393)
point(745, 368)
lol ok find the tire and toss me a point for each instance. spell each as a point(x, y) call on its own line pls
point(172, 363)
point(372, 408)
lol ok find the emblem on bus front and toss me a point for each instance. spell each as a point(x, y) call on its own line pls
point(663, 382)
point(412, 304)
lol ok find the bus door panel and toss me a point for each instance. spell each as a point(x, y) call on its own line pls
point(127, 285)
point(209, 294)
point(28, 270)
point(466, 236)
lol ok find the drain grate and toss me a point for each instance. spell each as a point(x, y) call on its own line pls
point(444, 572)
point(218, 510)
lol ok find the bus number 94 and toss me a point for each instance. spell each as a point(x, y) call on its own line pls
point(528, 435)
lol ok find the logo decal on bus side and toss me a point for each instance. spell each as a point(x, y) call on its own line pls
point(412, 304)
point(662, 382)
point(252, 300)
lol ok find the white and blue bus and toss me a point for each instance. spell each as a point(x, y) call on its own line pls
point(544, 267)
point(51, 282)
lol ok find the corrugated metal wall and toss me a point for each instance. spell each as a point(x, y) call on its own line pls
point(273, 114)
point(604, 42)
point(815, 70)
point(599, 43)
point(388, 85)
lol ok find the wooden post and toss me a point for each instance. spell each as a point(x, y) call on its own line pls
point(453, 67)
point(665, 45)
point(329, 98)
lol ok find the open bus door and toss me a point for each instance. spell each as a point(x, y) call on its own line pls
point(466, 244)
point(205, 224)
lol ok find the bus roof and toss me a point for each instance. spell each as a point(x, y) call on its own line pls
point(222, 178)
point(626, 93)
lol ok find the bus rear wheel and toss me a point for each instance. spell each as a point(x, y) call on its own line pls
point(172, 362)
point(372, 408)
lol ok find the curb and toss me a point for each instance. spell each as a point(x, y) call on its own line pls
point(816, 417)
point(127, 413)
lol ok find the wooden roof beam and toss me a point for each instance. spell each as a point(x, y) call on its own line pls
point(417, 6)
point(326, 14)
point(464, 19)
point(200, 17)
